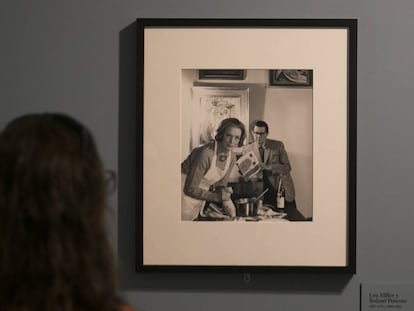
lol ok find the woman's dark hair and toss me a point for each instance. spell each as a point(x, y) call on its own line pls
point(54, 250)
point(231, 122)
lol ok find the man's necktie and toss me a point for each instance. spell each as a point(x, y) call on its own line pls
point(261, 151)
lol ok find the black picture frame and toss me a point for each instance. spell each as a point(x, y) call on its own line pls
point(150, 188)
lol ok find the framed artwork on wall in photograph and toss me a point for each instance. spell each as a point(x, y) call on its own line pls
point(222, 74)
point(210, 105)
point(290, 77)
point(234, 172)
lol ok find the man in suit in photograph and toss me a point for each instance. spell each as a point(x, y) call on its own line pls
point(275, 168)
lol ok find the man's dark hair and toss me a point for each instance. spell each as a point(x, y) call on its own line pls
point(261, 123)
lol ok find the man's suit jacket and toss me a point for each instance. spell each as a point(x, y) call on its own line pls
point(276, 158)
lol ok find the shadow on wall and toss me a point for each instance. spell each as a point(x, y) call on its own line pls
point(302, 170)
point(257, 107)
point(130, 190)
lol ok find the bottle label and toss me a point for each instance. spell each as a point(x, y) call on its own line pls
point(280, 201)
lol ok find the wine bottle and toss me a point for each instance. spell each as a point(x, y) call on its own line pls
point(280, 199)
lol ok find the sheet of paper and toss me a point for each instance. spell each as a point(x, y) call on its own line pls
point(248, 164)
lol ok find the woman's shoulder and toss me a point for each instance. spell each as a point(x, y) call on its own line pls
point(198, 156)
point(126, 308)
point(206, 150)
point(273, 143)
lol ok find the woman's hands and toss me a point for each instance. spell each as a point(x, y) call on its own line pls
point(227, 203)
point(229, 208)
point(225, 193)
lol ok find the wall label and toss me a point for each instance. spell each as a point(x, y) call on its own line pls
point(386, 297)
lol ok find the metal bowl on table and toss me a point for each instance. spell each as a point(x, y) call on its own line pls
point(246, 207)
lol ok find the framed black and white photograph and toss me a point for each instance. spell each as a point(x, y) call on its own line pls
point(234, 172)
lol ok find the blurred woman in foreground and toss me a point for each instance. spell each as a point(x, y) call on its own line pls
point(54, 251)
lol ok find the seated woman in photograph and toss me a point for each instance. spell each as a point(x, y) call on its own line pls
point(54, 251)
point(206, 195)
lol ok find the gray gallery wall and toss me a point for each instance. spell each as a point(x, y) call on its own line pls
point(78, 57)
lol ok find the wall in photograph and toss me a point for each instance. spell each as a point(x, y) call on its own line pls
point(291, 122)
